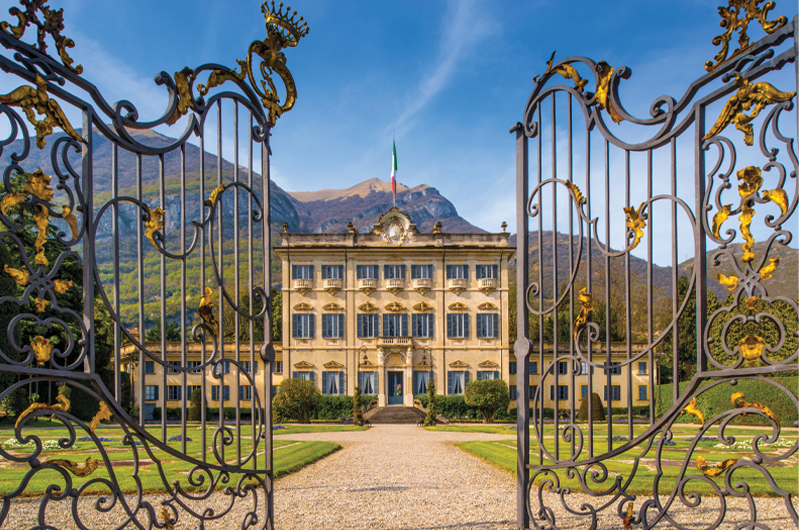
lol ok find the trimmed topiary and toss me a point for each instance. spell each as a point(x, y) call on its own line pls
point(358, 418)
point(430, 417)
point(598, 412)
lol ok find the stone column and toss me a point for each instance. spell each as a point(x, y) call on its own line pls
point(381, 380)
point(408, 394)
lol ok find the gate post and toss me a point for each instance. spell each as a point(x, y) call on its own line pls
point(522, 346)
point(88, 258)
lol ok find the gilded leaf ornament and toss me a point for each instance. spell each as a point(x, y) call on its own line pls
point(62, 406)
point(750, 181)
point(77, 468)
point(35, 101)
point(62, 286)
point(169, 524)
point(778, 196)
point(716, 469)
point(154, 224)
point(626, 521)
point(751, 301)
point(576, 192)
point(53, 24)
point(42, 220)
point(691, 408)
point(731, 21)
point(205, 310)
point(40, 304)
point(103, 414)
point(10, 200)
point(767, 270)
point(215, 194)
point(585, 298)
point(635, 223)
point(749, 95)
point(745, 220)
point(729, 282)
point(38, 185)
point(601, 97)
point(183, 82)
point(752, 346)
point(20, 276)
point(719, 218)
point(738, 401)
point(42, 349)
point(72, 221)
point(566, 70)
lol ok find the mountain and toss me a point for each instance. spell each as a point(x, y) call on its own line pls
point(330, 210)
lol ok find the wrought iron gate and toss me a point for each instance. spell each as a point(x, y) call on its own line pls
point(591, 316)
point(135, 232)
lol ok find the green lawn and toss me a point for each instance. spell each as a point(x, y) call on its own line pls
point(288, 457)
point(290, 428)
point(503, 454)
point(491, 429)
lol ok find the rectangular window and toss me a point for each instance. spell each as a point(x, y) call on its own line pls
point(532, 392)
point(151, 392)
point(486, 325)
point(642, 392)
point(277, 368)
point(175, 370)
point(584, 368)
point(367, 326)
point(457, 271)
point(226, 393)
point(420, 380)
point(395, 325)
point(333, 383)
point(512, 392)
point(394, 272)
point(191, 388)
point(457, 381)
point(643, 368)
point(562, 367)
point(303, 326)
point(308, 376)
point(563, 392)
point(616, 370)
point(173, 392)
point(584, 391)
point(194, 366)
point(485, 271)
point(615, 392)
point(421, 271)
point(512, 367)
point(226, 367)
point(422, 325)
point(245, 393)
point(487, 374)
point(458, 325)
point(366, 271)
point(533, 368)
point(368, 381)
point(333, 272)
point(302, 272)
point(333, 326)
point(149, 367)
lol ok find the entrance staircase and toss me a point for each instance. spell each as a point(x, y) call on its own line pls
point(395, 414)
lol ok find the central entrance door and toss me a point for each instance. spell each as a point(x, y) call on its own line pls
point(395, 388)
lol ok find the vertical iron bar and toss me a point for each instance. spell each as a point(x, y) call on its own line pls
point(700, 237)
point(184, 373)
point(221, 272)
point(140, 282)
point(589, 286)
point(115, 267)
point(236, 279)
point(650, 311)
point(88, 240)
point(675, 335)
point(628, 324)
point(204, 228)
point(607, 264)
point(554, 168)
point(571, 261)
point(522, 347)
point(267, 248)
point(162, 304)
point(250, 291)
point(540, 279)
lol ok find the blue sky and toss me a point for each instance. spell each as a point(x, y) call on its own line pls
point(449, 78)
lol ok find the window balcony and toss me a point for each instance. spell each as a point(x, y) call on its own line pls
point(395, 285)
point(303, 285)
point(487, 285)
point(394, 341)
point(458, 285)
point(422, 285)
point(368, 284)
point(333, 285)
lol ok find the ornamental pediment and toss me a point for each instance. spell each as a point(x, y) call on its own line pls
point(487, 306)
point(303, 365)
point(488, 364)
point(395, 258)
point(423, 307)
point(302, 306)
point(332, 307)
point(457, 306)
point(460, 365)
point(367, 307)
point(369, 365)
point(395, 307)
point(333, 365)
point(395, 227)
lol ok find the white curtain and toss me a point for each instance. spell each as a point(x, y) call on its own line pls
point(368, 387)
point(458, 385)
point(333, 383)
point(423, 383)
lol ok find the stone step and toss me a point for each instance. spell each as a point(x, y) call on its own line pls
point(396, 414)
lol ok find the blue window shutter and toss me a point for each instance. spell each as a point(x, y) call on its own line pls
point(496, 322)
point(415, 325)
point(294, 272)
point(449, 324)
point(414, 274)
point(494, 272)
point(324, 382)
point(414, 381)
point(341, 326)
point(478, 272)
point(466, 272)
point(551, 392)
point(466, 378)
point(361, 379)
point(496, 374)
point(359, 272)
point(341, 382)
point(449, 383)
point(466, 325)
point(404, 319)
point(385, 330)
point(479, 326)
point(375, 272)
point(361, 321)
point(430, 271)
point(386, 272)
point(605, 392)
point(294, 375)
point(449, 270)
point(325, 272)
point(294, 326)
point(341, 272)
point(534, 368)
point(512, 390)
point(430, 325)
point(313, 377)
point(325, 323)
point(375, 381)
point(512, 367)
point(403, 272)
point(310, 272)
point(311, 325)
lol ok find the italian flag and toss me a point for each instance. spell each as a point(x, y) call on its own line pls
point(394, 171)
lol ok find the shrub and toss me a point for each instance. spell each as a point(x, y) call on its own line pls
point(430, 417)
point(488, 396)
point(298, 397)
point(195, 404)
point(358, 418)
point(15, 402)
point(598, 412)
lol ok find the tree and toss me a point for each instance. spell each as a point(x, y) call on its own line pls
point(358, 418)
point(430, 417)
point(195, 405)
point(488, 396)
point(598, 412)
point(173, 333)
point(297, 397)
